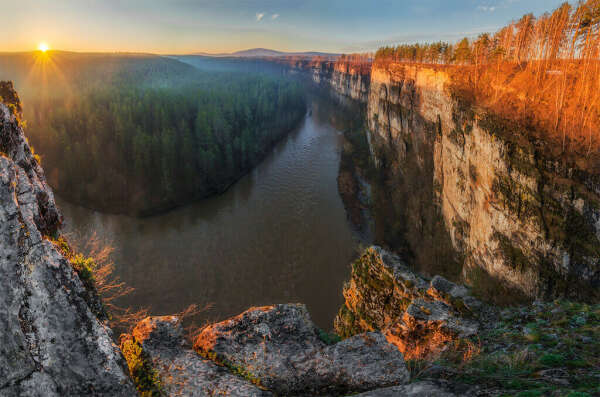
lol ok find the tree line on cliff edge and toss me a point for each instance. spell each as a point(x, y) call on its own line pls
point(543, 72)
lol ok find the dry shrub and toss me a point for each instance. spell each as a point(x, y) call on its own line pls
point(189, 319)
point(109, 287)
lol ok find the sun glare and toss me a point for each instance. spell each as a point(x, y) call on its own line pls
point(43, 47)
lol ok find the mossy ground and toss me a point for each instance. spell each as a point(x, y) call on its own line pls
point(546, 349)
point(145, 377)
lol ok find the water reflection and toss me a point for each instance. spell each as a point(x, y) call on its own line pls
point(278, 235)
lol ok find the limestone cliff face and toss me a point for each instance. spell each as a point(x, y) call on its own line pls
point(513, 215)
point(350, 80)
point(51, 341)
point(344, 77)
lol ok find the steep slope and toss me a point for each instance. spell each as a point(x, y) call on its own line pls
point(51, 341)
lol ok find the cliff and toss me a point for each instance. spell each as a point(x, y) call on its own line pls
point(518, 219)
point(344, 76)
point(468, 194)
point(53, 341)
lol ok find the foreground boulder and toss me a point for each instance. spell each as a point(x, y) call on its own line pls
point(285, 352)
point(51, 340)
point(419, 316)
point(161, 362)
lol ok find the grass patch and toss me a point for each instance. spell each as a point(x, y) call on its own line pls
point(543, 349)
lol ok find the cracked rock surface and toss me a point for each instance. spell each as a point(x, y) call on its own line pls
point(51, 342)
point(182, 371)
point(280, 346)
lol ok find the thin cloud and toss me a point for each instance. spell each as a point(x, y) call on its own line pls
point(259, 16)
point(274, 16)
point(487, 8)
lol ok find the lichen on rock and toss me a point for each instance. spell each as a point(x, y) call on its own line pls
point(162, 363)
point(280, 347)
point(419, 316)
point(51, 342)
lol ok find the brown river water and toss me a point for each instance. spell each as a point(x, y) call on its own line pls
point(279, 235)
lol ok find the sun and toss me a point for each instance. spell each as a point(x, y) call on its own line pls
point(43, 47)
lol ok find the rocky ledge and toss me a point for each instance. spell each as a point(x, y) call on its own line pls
point(421, 317)
point(52, 342)
point(273, 350)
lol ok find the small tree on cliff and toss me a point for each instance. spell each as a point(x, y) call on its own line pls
point(462, 52)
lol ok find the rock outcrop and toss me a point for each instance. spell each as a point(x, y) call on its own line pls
point(351, 79)
point(52, 342)
point(180, 371)
point(419, 316)
point(282, 349)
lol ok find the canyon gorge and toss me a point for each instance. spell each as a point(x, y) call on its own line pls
point(470, 215)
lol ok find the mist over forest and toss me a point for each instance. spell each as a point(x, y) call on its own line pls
point(139, 133)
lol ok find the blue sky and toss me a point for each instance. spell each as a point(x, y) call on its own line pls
point(183, 26)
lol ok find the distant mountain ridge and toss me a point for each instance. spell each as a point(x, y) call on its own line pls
point(265, 52)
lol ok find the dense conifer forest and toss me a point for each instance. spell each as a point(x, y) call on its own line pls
point(155, 133)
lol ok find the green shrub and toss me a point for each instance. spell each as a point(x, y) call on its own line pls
point(329, 338)
point(552, 360)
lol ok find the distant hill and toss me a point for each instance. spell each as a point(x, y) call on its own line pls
point(61, 71)
point(267, 53)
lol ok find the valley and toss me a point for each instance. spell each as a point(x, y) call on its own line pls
point(417, 219)
point(279, 234)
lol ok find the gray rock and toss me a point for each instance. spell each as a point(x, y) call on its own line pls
point(453, 294)
point(51, 342)
point(281, 346)
point(418, 389)
point(423, 314)
point(181, 370)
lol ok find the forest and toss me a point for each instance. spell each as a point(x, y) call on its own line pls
point(145, 138)
point(543, 72)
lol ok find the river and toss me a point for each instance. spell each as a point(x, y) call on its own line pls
point(279, 235)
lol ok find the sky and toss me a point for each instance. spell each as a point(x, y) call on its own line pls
point(216, 26)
